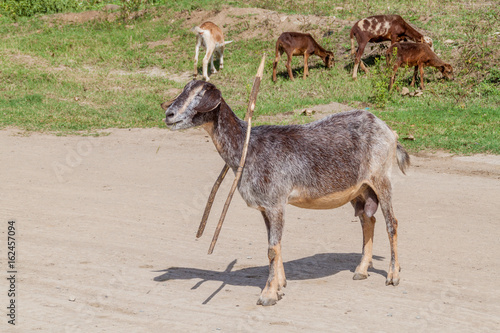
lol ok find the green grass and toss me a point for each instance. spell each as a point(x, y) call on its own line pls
point(67, 78)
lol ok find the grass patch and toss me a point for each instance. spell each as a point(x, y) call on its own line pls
point(65, 77)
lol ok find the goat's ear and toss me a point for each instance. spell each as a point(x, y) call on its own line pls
point(166, 104)
point(210, 100)
point(446, 68)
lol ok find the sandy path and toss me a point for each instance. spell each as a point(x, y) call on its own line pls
point(106, 243)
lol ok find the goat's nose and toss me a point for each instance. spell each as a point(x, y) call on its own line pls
point(169, 114)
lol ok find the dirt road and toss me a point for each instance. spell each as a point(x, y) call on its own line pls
point(105, 242)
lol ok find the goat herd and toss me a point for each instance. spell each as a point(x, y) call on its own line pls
point(345, 157)
point(372, 29)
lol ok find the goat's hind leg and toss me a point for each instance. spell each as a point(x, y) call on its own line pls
point(279, 52)
point(289, 65)
point(196, 53)
point(208, 58)
point(358, 61)
point(384, 196)
point(273, 291)
point(365, 208)
point(213, 69)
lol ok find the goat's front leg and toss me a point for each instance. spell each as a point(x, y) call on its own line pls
point(421, 68)
point(412, 84)
point(306, 67)
point(221, 57)
point(393, 77)
point(276, 281)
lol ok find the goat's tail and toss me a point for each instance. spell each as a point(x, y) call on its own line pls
point(197, 30)
point(403, 158)
point(353, 51)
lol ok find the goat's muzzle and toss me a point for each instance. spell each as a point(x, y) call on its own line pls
point(170, 119)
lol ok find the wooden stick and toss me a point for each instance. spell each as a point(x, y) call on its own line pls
point(211, 199)
point(248, 117)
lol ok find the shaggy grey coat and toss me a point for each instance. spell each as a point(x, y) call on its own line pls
point(346, 157)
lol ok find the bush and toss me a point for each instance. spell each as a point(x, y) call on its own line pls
point(380, 78)
point(131, 6)
point(19, 8)
point(28, 8)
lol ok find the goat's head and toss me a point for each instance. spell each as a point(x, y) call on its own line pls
point(329, 59)
point(191, 108)
point(447, 71)
point(427, 40)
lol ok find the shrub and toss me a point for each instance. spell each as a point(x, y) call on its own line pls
point(380, 78)
point(19, 8)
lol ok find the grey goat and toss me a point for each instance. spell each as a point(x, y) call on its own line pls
point(346, 157)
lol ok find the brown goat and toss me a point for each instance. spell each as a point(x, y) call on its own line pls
point(296, 44)
point(346, 157)
point(419, 55)
point(380, 28)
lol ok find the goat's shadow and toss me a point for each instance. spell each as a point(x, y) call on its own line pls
point(313, 267)
point(369, 61)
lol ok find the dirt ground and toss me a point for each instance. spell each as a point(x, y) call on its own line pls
point(105, 242)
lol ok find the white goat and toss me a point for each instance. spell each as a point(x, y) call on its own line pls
point(211, 37)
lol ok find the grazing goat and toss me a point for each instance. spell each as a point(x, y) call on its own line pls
point(211, 37)
point(380, 28)
point(299, 44)
point(419, 55)
point(346, 157)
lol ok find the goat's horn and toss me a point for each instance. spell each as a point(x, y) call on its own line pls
point(210, 201)
point(248, 117)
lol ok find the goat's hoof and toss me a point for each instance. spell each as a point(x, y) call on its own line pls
point(266, 301)
point(394, 281)
point(360, 276)
point(270, 300)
